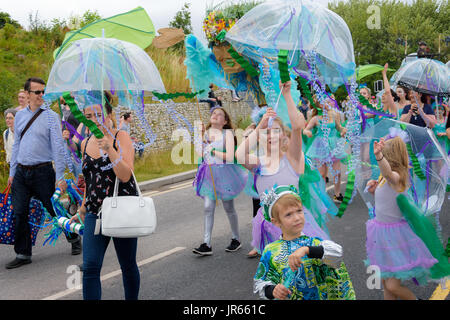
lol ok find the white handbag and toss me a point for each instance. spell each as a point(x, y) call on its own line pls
point(127, 216)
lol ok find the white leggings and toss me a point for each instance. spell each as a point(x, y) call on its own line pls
point(210, 206)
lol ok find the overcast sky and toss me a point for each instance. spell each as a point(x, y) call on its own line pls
point(160, 11)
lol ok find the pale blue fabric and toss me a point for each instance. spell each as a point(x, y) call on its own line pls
point(40, 143)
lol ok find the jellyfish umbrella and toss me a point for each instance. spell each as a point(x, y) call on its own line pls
point(307, 40)
point(303, 28)
point(427, 160)
point(426, 76)
point(89, 67)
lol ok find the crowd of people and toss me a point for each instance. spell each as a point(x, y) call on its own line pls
point(286, 182)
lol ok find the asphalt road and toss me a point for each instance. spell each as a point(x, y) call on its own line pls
point(169, 269)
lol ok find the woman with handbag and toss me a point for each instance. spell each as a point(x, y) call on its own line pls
point(103, 160)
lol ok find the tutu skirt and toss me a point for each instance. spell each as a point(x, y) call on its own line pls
point(264, 232)
point(322, 149)
point(228, 180)
point(397, 251)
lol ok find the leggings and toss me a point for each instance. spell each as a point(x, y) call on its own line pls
point(210, 206)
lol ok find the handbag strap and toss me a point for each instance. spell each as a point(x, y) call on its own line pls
point(116, 186)
point(31, 122)
point(6, 193)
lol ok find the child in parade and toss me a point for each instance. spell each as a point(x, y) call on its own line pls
point(328, 144)
point(391, 243)
point(280, 160)
point(218, 177)
point(297, 266)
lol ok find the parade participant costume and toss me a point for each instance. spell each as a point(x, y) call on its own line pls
point(327, 147)
point(216, 180)
point(391, 243)
point(322, 275)
point(227, 179)
point(314, 197)
point(403, 233)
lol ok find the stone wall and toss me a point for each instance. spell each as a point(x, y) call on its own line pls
point(163, 125)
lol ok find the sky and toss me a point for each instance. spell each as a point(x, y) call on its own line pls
point(161, 12)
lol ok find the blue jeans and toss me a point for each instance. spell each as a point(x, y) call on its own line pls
point(94, 248)
point(27, 183)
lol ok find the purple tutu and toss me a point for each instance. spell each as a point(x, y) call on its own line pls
point(228, 180)
point(264, 232)
point(397, 251)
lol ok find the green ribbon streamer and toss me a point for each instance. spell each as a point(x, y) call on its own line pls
point(167, 96)
point(307, 93)
point(221, 36)
point(243, 62)
point(425, 230)
point(366, 103)
point(80, 116)
point(415, 162)
point(348, 193)
point(283, 66)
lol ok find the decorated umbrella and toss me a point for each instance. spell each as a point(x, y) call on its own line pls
point(302, 38)
point(428, 164)
point(424, 75)
point(302, 28)
point(134, 26)
point(88, 67)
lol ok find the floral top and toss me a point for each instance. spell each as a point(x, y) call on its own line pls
point(100, 183)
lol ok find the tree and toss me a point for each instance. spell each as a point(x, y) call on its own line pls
point(6, 18)
point(182, 19)
point(414, 21)
point(89, 17)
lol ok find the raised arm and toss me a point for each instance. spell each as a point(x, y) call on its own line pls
point(390, 104)
point(295, 153)
point(391, 176)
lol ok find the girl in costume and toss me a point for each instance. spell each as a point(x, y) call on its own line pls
point(280, 160)
point(218, 177)
point(391, 243)
point(327, 147)
point(298, 266)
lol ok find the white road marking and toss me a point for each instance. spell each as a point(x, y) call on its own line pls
point(117, 272)
point(189, 183)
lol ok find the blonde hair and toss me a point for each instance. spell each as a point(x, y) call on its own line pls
point(396, 154)
point(286, 131)
point(285, 201)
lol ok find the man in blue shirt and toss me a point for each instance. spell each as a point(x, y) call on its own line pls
point(31, 172)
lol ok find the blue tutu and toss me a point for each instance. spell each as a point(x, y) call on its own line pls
point(398, 251)
point(330, 148)
point(226, 182)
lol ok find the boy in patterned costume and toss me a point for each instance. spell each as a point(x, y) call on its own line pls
point(298, 267)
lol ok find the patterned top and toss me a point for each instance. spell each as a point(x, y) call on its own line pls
point(100, 183)
point(314, 280)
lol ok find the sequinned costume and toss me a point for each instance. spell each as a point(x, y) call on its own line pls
point(316, 279)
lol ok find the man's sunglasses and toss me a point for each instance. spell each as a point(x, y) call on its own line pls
point(37, 92)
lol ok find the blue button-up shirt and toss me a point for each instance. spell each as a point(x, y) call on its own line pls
point(43, 141)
